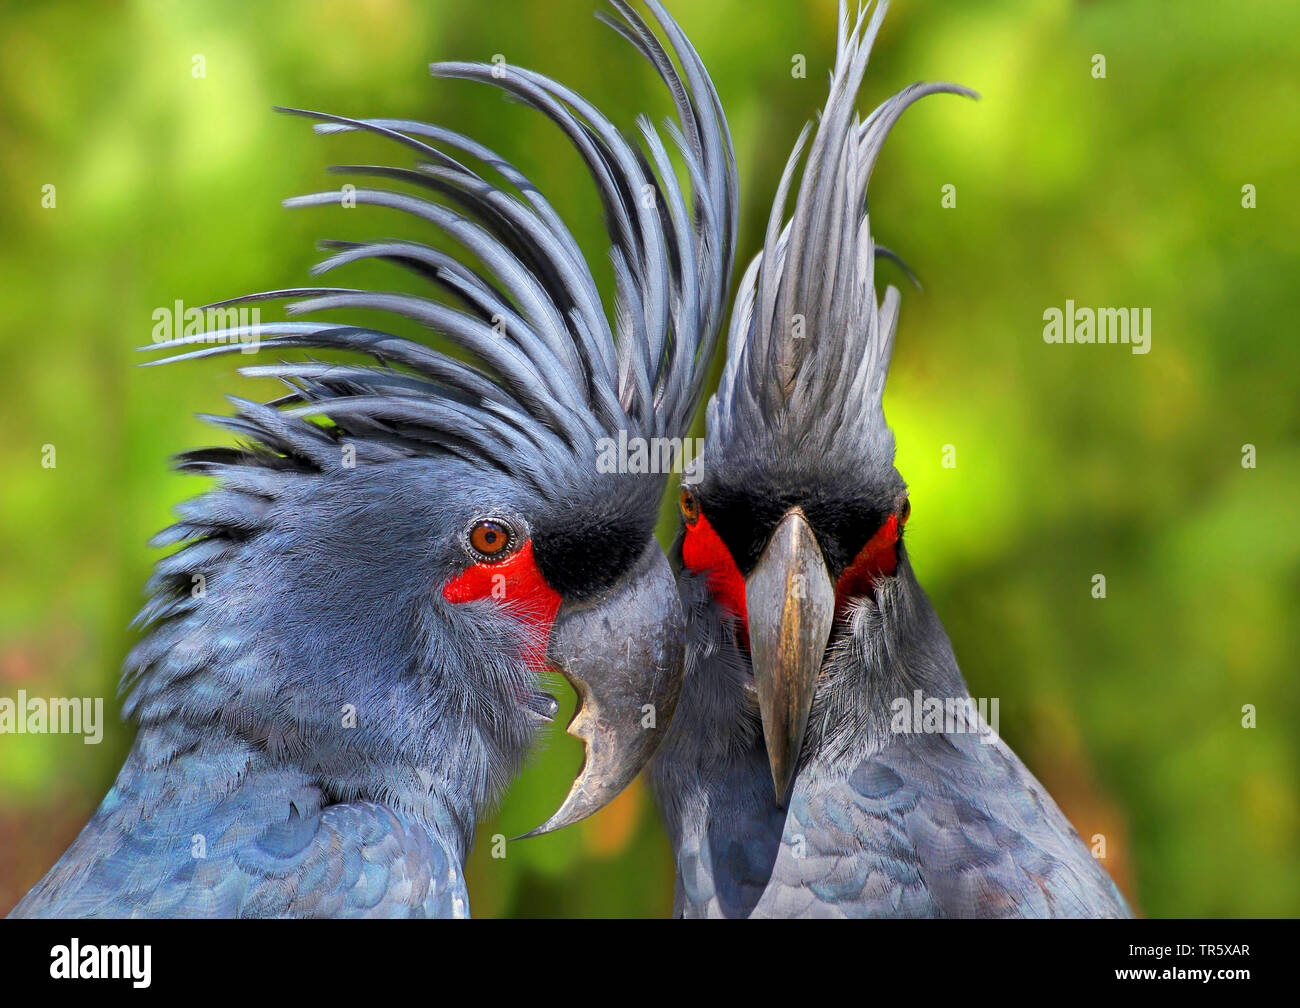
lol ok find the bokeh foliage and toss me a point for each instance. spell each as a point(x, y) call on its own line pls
point(1071, 460)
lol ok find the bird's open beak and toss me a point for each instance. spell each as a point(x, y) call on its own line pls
point(790, 602)
point(624, 652)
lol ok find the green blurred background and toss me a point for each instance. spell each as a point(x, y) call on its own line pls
point(1071, 460)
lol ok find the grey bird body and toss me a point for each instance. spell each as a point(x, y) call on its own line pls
point(342, 657)
point(256, 840)
point(879, 824)
point(298, 753)
point(786, 786)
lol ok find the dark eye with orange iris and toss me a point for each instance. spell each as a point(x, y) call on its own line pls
point(690, 507)
point(490, 539)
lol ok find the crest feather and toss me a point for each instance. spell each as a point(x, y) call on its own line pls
point(809, 344)
point(550, 369)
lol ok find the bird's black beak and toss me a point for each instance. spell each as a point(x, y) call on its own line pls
point(624, 652)
point(790, 602)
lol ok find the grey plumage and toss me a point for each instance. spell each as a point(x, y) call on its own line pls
point(319, 726)
point(809, 343)
point(879, 822)
point(562, 377)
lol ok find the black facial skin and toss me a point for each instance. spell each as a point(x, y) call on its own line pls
point(582, 557)
point(745, 518)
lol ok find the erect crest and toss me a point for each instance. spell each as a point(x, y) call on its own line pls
point(810, 344)
point(554, 371)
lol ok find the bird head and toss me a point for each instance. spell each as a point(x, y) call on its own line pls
point(799, 512)
point(401, 546)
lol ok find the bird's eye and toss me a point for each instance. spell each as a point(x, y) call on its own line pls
point(906, 512)
point(490, 539)
point(690, 507)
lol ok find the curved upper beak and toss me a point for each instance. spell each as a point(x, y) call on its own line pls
point(624, 652)
point(790, 602)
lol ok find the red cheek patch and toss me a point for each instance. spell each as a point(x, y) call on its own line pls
point(704, 552)
point(878, 558)
point(517, 583)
